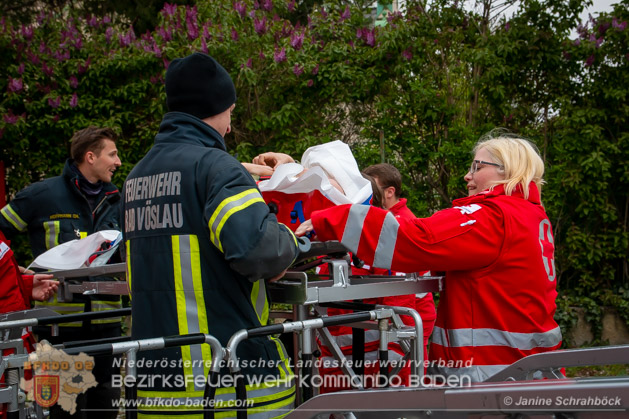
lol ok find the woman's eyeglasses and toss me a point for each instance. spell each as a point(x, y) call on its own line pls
point(478, 164)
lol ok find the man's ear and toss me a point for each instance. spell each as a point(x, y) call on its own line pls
point(389, 192)
point(90, 157)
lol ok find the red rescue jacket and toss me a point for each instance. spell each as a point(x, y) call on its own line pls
point(497, 252)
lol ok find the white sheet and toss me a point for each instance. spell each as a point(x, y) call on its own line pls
point(333, 159)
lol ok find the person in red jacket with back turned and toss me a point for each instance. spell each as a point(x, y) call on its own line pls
point(17, 290)
point(496, 247)
point(17, 287)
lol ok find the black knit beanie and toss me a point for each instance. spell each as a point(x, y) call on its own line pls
point(199, 86)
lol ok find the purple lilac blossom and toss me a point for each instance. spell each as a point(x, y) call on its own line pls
point(267, 5)
point(298, 70)
point(191, 23)
point(370, 37)
point(287, 28)
point(346, 14)
point(620, 26)
point(54, 103)
point(169, 9)
point(280, 55)
point(407, 54)
point(128, 38)
point(392, 17)
point(62, 55)
point(259, 25)
point(74, 100)
point(15, 85)
point(582, 30)
point(234, 34)
point(297, 41)
point(9, 118)
point(241, 8)
point(27, 32)
point(74, 82)
point(291, 6)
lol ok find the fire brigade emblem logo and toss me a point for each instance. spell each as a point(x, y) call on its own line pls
point(46, 390)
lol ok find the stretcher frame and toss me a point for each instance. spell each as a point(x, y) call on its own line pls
point(298, 289)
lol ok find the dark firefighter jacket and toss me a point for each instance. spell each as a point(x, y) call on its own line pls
point(199, 242)
point(54, 211)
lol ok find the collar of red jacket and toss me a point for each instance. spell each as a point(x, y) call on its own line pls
point(500, 190)
point(401, 203)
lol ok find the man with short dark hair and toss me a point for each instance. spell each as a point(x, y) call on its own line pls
point(72, 206)
point(200, 243)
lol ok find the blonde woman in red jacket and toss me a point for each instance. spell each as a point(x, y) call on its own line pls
point(496, 247)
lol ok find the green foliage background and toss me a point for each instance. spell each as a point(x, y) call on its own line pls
point(417, 92)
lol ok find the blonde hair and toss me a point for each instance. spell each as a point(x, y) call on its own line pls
point(519, 158)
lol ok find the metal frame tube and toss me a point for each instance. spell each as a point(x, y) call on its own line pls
point(417, 349)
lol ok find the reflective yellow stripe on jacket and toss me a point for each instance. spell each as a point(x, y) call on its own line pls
point(13, 218)
point(102, 305)
point(191, 313)
point(264, 400)
point(128, 274)
point(229, 207)
point(261, 305)
point(63, 308)
point(52, 234)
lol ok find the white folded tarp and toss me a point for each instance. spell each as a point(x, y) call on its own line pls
point(80, 253)
point(324, 161)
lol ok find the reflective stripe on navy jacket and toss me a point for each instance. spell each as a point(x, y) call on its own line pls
point(199, 238)
point(54, 211)
point(500, 288)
